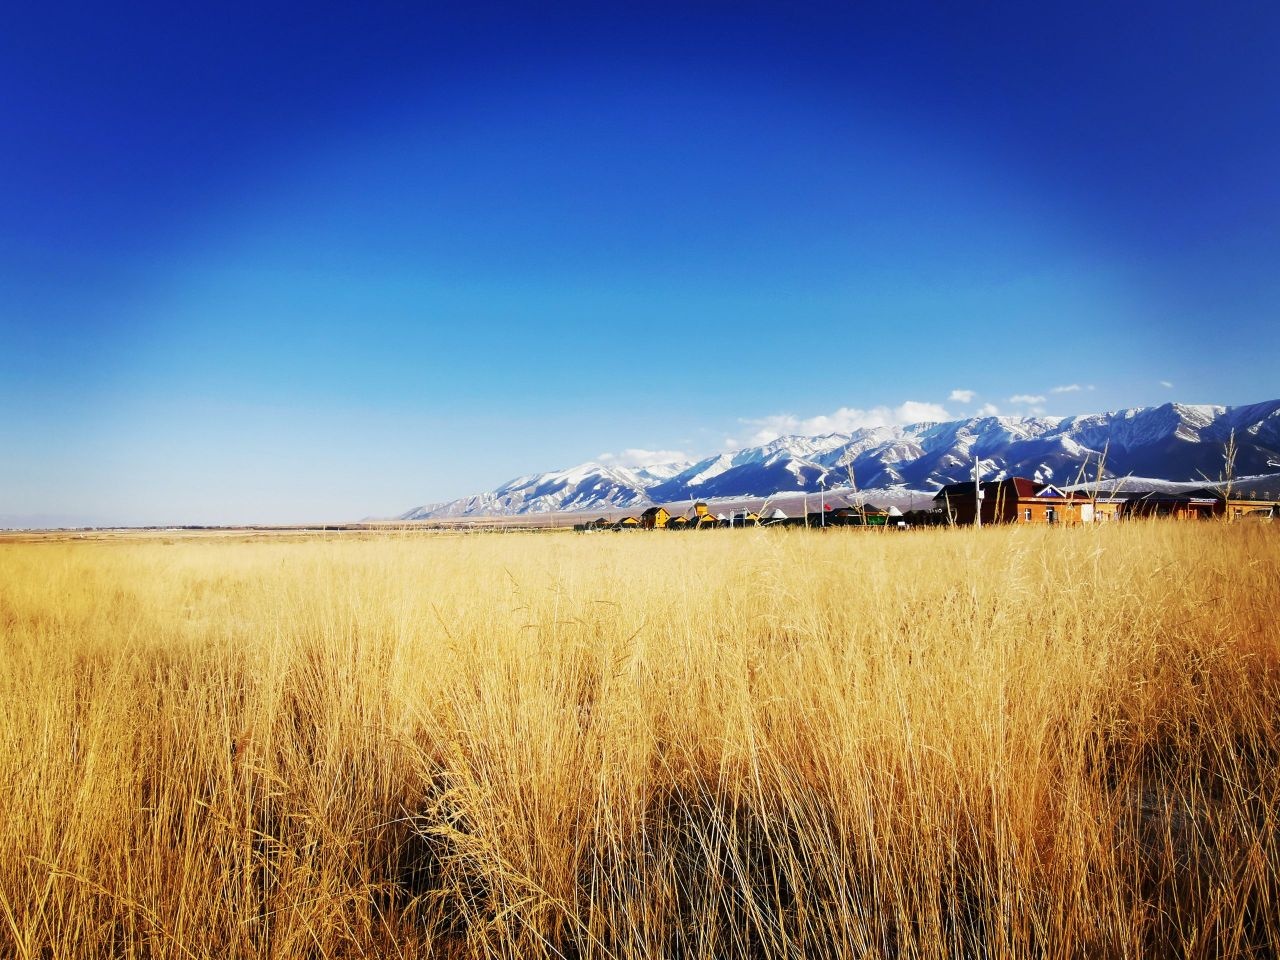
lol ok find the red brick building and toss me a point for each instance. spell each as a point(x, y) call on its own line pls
point(1013, 500)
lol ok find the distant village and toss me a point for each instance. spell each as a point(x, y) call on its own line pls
point(1015, 500)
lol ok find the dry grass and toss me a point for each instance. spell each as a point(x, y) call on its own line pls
point(750, 744)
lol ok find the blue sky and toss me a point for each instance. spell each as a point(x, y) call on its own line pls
point(266, 263)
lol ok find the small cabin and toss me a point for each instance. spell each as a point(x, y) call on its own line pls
point(865, 515)
point(1101, 509)
point(655, 518)
point(1190, 505)
point(1123, 499)
point(627, 523)
point(1250, 508)
point(677, 523)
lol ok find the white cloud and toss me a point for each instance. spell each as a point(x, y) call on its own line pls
point(918, 411)
point(1069, 388)
point(844, 420)
point(1031, 398)
point(637, 457)
point(963, 396)
point(1166, 384)
point(988, 410)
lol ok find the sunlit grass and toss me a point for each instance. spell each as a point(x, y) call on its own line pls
point(751, 743)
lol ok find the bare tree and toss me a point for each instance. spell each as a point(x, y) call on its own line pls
point(1226, 479)
point(1228, 470)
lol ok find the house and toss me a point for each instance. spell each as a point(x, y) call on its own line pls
point(702, 517)
point(833, 516)
point(1249, 506)
point(843, 516)
point(655, 518)
point(1119, 499)
point(773, 516)
point(1012, 500)
point(1238, 509)
point(677, 523)
point(1184, 505)
point(925, 518)
point(1049, 504)
point(627, 523)
point(866, 515)
point(1101, 509)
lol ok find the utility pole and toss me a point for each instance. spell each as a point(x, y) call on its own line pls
point(977, 497)
point(822, 499)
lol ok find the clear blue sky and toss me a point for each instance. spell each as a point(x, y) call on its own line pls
point(270, 263)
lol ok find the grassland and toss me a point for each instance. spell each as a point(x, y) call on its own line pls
point(1010, 743)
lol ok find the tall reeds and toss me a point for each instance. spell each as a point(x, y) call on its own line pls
point(771, 744)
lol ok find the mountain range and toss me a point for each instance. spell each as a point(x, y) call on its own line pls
point(1174, 441)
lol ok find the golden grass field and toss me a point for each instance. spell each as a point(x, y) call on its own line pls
point(945, 743)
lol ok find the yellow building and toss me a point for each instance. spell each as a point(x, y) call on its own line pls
point(655, 518)
point(1238, 508)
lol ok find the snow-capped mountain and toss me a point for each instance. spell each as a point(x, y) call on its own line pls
point(589, 486)
point(1172, 442)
